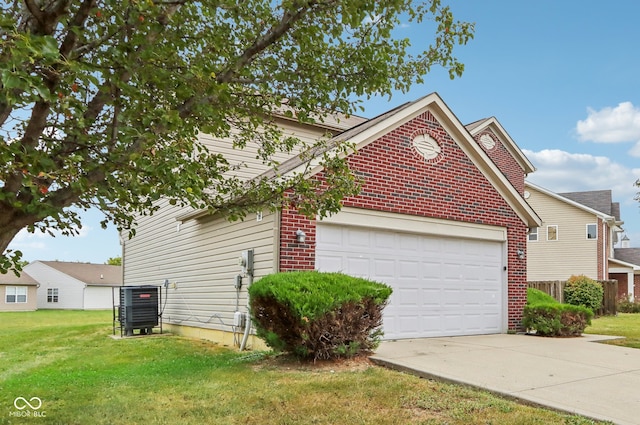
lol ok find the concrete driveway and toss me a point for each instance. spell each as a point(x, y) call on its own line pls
point(574, 375)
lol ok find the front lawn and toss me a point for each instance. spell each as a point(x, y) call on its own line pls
point(625, 325)
point(82, 376)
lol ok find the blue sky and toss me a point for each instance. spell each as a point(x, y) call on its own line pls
point(562, 77)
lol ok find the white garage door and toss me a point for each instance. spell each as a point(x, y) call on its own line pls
point(442, 286)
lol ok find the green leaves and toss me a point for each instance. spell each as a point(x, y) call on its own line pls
point(105, 104)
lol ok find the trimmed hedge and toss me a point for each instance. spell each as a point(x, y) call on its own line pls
point(316, 315)
point(584, 291)
point(548, 317)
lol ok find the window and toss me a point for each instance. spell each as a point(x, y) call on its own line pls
point(592, 231)
point(552, 232)
point(52, 295)
point(16, 294)
point(533, 234)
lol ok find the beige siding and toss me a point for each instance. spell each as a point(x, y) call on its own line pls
point(30, 305)
point(199, 258)
point(245, 160)
point(572, 253)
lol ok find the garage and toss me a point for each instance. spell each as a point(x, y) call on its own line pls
point(444, 285)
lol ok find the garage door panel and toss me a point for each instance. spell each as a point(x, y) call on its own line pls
point(384, 268)
point(442, 286)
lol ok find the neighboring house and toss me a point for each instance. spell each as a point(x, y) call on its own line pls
point(440, 218)
point(630, 258)
point(577, 237)
point(18, 293)
point(78, 286)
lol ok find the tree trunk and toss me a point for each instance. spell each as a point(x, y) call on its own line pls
point(11, 227)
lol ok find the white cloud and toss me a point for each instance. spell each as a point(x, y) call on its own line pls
point(611, 125)
point(562, 171)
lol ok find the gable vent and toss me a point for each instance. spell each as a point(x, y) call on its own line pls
point(427, 146)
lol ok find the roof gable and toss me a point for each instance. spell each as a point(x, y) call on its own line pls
point(494, 126)
point(370, 131)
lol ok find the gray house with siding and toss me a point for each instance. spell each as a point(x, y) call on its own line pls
point(441, 218)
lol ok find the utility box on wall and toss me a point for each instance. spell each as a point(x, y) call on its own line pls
point(139, 309)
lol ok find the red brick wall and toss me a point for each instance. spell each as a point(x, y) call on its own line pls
point(623, 285)
point(504, 161)
point(398, 180)
point(636, 287)
point(294, 255)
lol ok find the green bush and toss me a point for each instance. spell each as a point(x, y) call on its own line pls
point(536, 296)
point(627, 306)
point(318, 315)
point(581, 290)
point(548, 317)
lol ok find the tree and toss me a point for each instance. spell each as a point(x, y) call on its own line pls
point(101, 101)
point(114, 261)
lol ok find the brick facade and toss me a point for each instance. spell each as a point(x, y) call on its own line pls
point(397, 179)
point(503, 160)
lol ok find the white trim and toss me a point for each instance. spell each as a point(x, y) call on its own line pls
point(570, 202)
point(492, 124)
point(531, 233)
point(458, 132)
point(587, 231)
point(16, 294)
point(415, 224)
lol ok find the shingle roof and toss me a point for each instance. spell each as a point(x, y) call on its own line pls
point(599, 200)
point(91, 274)
point(628, 255)
point(11, 279)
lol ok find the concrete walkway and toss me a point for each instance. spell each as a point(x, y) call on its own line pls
point(574, 375)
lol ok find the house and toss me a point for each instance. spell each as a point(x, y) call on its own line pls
point(577, 237)
point(441, 218)
point(18, 293)
point(629, 279)
point(78, 286)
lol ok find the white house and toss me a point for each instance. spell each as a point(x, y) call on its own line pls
point(78, 286)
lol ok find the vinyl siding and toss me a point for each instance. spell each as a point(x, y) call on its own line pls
point(245, 160)
point(70, 290)
point(572, 253)
point(30, 305)
point(199, 259)
point(200, 256)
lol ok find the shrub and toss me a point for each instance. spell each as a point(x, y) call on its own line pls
point(548, 317)
point(581, 290)
point(536, 296)
point(317, 315)
point(628, 306)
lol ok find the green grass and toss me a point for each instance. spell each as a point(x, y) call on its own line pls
point(625, 325)
point(82, 376)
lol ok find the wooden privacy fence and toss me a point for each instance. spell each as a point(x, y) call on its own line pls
point(555, 288)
